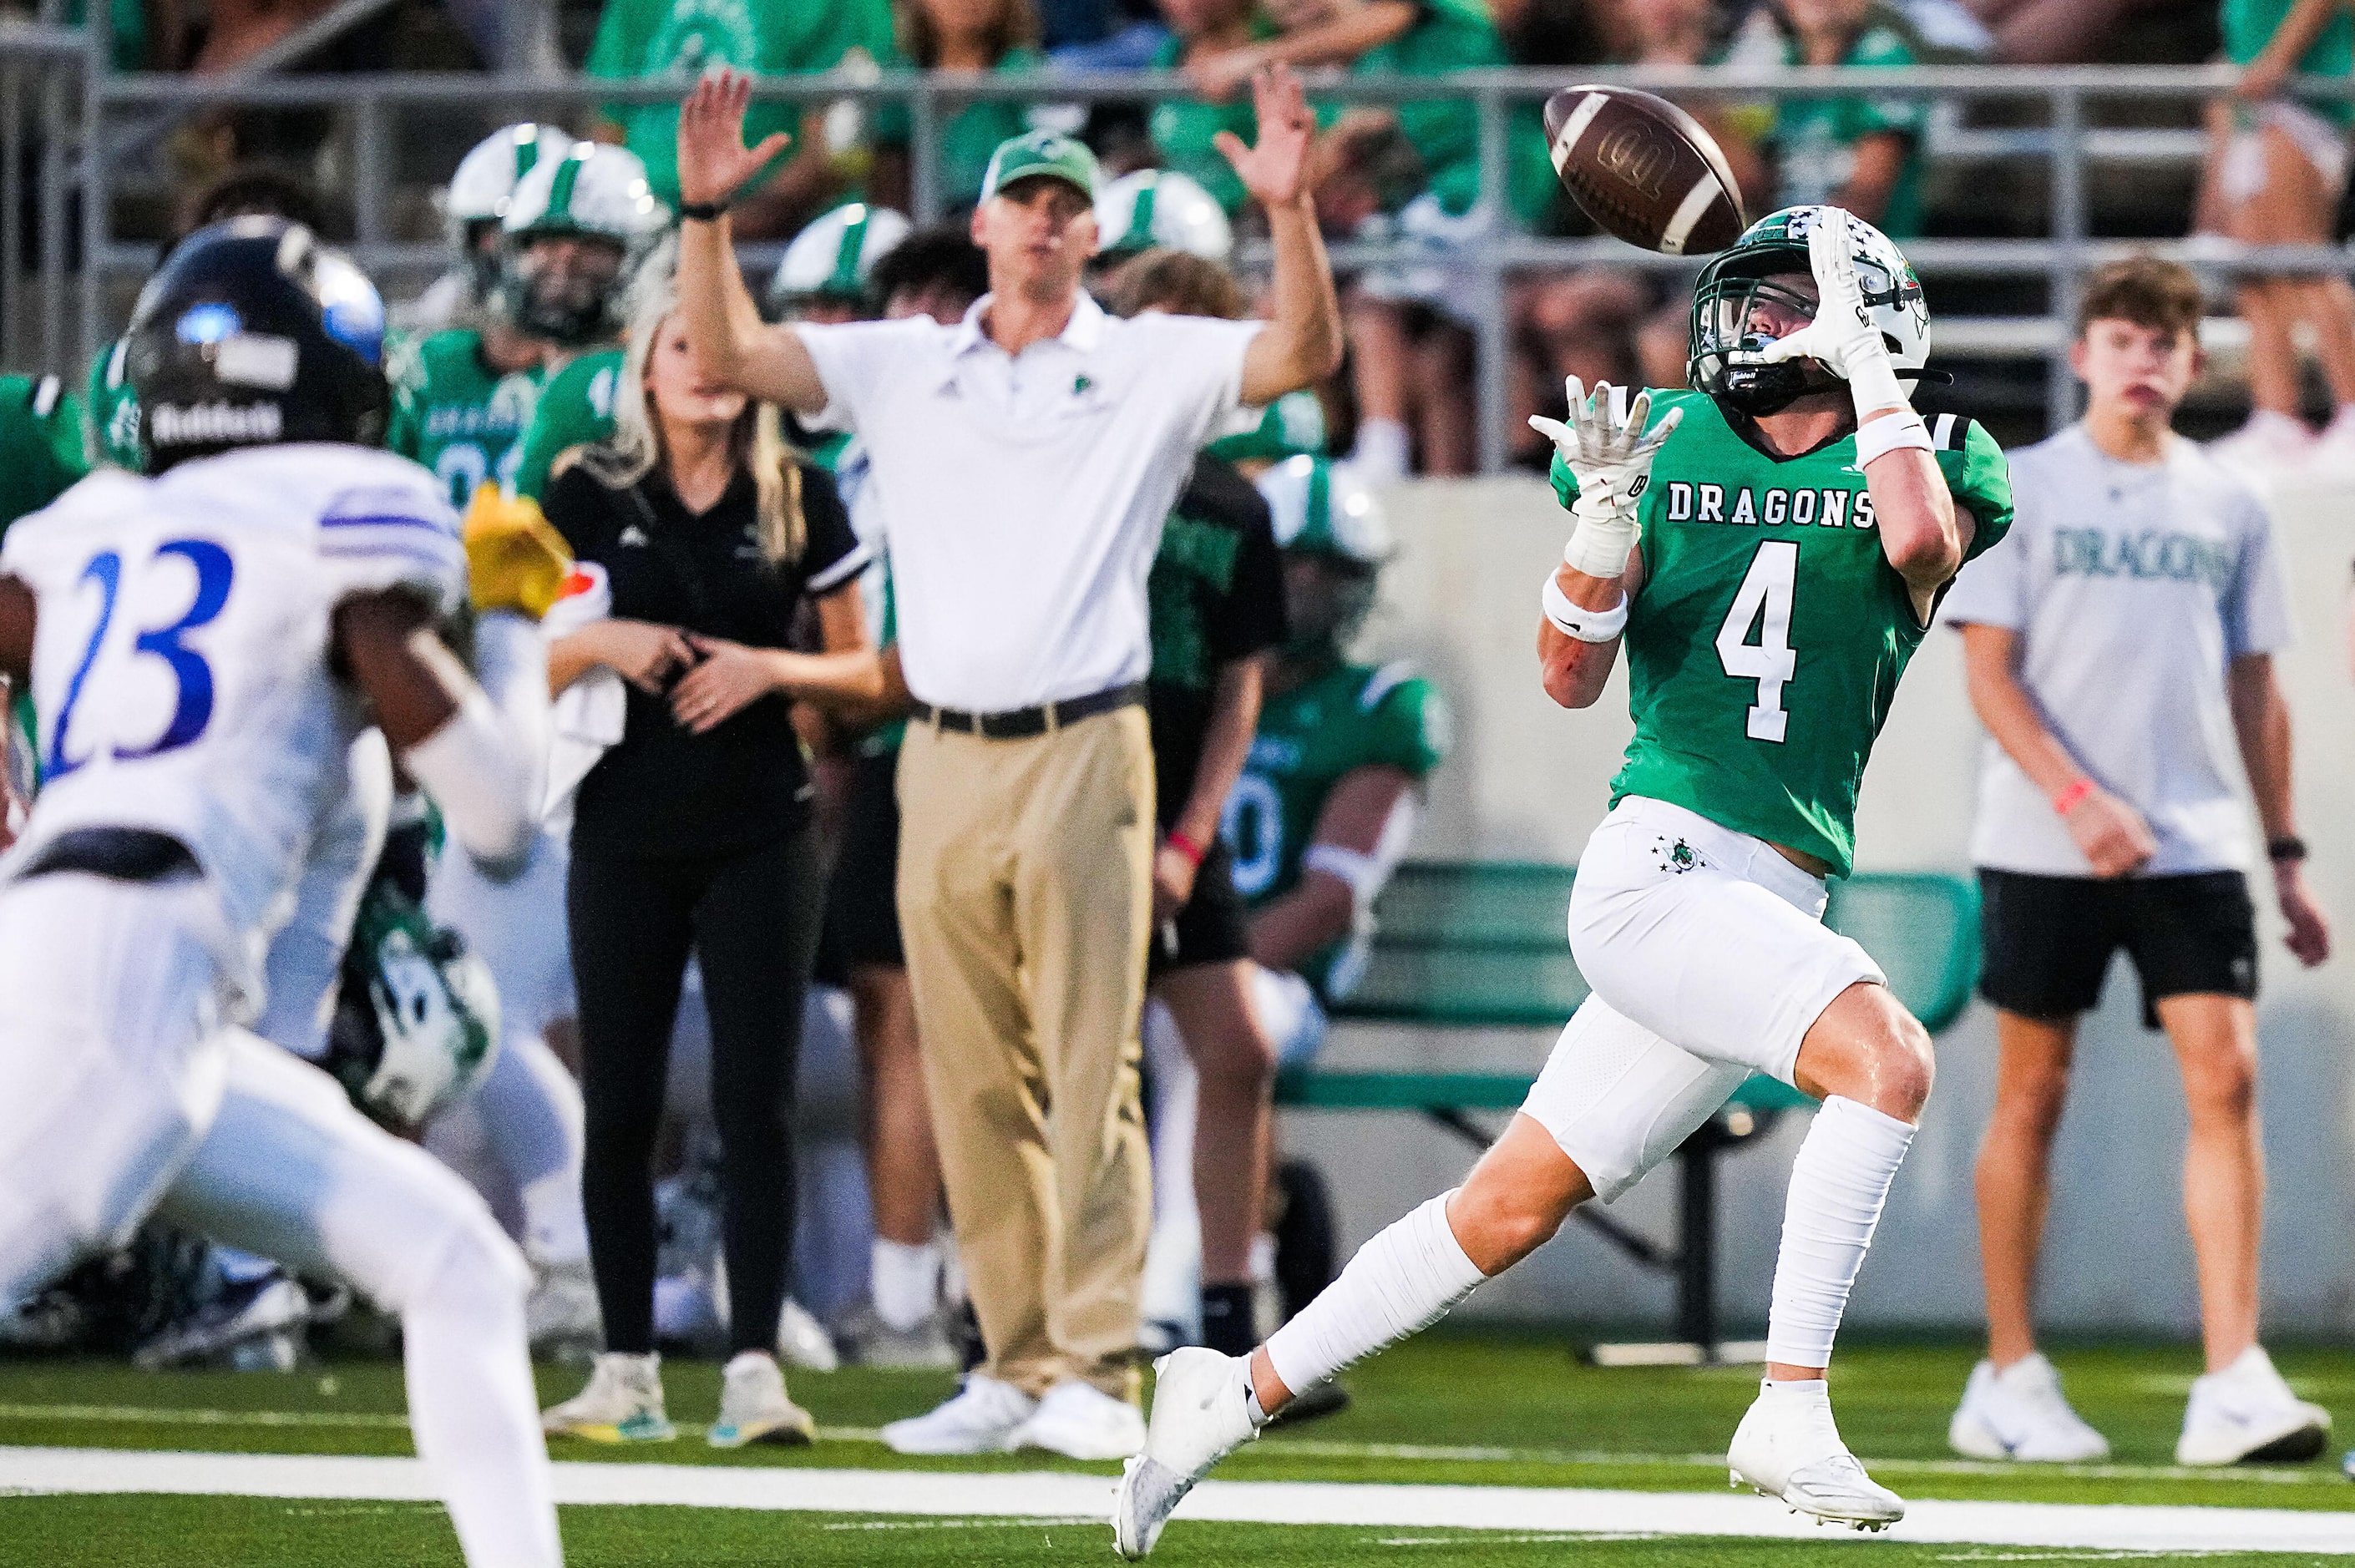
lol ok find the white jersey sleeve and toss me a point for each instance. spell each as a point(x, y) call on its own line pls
point(393, 527)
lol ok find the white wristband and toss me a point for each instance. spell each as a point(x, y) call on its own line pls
point(1887, 434)
point(1874, 383)
point(1585, 625)
point(478, 775)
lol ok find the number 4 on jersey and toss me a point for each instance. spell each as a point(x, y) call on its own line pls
point(1764, 601)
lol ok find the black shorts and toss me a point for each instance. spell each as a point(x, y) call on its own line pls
point(2048, 940)
point(1210, 928)
point(862, 899)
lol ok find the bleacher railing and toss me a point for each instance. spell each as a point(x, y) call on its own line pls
point(54, 86)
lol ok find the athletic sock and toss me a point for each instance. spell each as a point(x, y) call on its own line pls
point(472, 1406)
point(905, 1282)
point(1226, 1326)
point(1382, 453)
point(1402, 1282)
point(1839, 1183)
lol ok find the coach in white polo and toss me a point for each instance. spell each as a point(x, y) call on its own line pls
point(1023, 462)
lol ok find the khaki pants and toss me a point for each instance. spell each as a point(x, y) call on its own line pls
point(1026, 895)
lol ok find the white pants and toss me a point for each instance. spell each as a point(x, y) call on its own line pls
point(1709, 960)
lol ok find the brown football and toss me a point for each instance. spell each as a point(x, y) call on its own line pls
point(1644, 170)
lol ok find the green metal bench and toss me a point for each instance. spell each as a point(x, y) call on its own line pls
point(1482, 945)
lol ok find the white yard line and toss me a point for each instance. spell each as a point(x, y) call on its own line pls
point(1300, 1447)
point(1043, 1495)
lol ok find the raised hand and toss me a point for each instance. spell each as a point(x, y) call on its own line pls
point(1274, 170)
point(1842, 332)
point(1605, 444)
point(713, 162)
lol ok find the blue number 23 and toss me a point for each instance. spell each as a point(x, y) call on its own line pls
point(192, 708)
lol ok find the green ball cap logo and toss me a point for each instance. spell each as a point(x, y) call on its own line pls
point(1046, 153)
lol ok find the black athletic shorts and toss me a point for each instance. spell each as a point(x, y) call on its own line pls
point(1211, 927)
point(862, 900)
point(2046, 940)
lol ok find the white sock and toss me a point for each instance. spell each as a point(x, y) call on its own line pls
point(533, 1119)
point(472, 1406)
point(905, 1282)
point(1382, 453)
point(1400, 1283)
point(1838, 1185)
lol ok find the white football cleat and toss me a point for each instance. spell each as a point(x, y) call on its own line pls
point(2020, 1413)
point(981, 1419)
point(1080, 1421)
point(1788, 1447)
point(2247, 1414)
point(803, 1342)
point(1200, 1417)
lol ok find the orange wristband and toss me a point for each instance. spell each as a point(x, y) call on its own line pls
point(2070, 798)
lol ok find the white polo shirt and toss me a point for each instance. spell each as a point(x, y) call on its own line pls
point(2132, 587)
point(1021, 496)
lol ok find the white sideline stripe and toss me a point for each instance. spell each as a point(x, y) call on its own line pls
point(1306, 1447)
point(1042, 1495)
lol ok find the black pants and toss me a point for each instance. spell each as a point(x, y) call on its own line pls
point(751, 916)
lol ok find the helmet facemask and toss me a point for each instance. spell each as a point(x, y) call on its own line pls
point(563, 286)
point(1326, 598)
point(1741, 285)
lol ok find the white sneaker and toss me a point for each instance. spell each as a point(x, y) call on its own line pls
point(754, 1408)
point(1789, 1446)
point(2020, 1413)
point(981, 1419)
point(1200, 1417)
point(623, 1404)
point(2246, 1413)
point(2271, 443)
point(561, 1317)
point(803, 1342)
point(1080, 1421)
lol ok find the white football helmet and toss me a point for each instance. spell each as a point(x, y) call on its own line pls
point(593, 191)
point(1161, 206)
point(1322, 507)
point(833, 257)
point(486, 177)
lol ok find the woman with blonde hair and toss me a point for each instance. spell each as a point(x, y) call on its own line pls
point(694, 833)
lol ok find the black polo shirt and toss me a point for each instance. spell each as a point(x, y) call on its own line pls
point(1216, 594)
point(664, 790)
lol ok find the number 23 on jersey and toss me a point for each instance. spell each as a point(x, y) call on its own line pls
point(139, 690)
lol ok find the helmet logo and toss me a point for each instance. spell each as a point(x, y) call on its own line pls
point(208, 424)
point(1637, 155)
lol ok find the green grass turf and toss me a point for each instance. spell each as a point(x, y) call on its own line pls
point(1479, 1409)
point(169, 1533)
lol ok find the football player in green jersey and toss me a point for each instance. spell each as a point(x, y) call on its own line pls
point(1768, 591)
point(40, 458)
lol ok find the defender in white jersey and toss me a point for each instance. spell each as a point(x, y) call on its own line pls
point(204, 648)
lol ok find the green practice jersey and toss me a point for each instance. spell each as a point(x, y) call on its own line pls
point(1767, 639)
point(1815, 139)
point(110, 412)
point(575, 409)
point(458, 415)
point(1309, 739)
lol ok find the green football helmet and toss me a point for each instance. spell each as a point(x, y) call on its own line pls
point(417, 1026)
point(1722, 357)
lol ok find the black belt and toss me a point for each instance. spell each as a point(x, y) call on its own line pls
point(1018, 723)
point(125, 854)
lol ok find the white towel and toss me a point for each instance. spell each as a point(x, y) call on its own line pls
point(588, 716)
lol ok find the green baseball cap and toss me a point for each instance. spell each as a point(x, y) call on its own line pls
point(1048, 153)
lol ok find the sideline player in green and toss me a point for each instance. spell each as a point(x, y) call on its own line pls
point(461, 396)
point(40, 458)
point(576, 232)
point(1769, 591)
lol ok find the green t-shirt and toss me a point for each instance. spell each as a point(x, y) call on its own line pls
point(1767, 639)
point(575, 409)
point(972, 133)
point(111, 413)
point(1815, 139)
point(1309, 739)
point(1450, 36)
point(1184, 131)
point(680, 41)
point(2249, 25)
point(1293, 424)
point(459, 416)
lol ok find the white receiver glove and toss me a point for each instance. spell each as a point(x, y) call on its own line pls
point(1609, 452)
point(1842, 338)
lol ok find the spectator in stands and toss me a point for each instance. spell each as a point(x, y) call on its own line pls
point(1860, 153)
point(692, 835)
point(1217, 606)
point(836, 151)
point(2056, 32)
point(2279, 178)
point(1022, 513)
point(971, 37)
point(2113, 642)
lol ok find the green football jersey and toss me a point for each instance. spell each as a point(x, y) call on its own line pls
point(1309, 739)
point(458, 415)
point(1767, 639)
point(575, 409)
point(110, 412)
point(40, 444)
